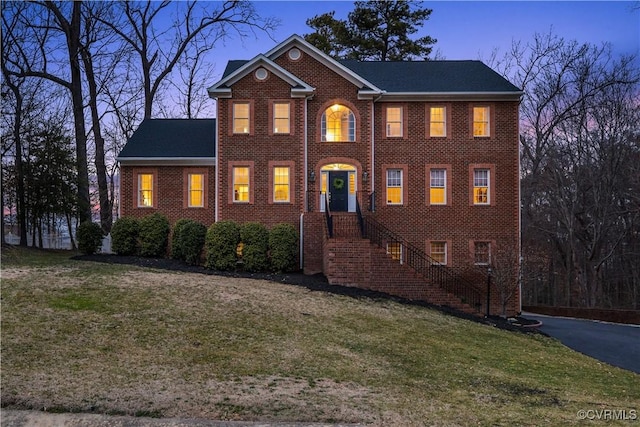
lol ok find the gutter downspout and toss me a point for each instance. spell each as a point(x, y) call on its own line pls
point(305, 162)
point(520, 259)
point(217, 168)
point(373, 150)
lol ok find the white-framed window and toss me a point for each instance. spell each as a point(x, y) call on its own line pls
point(438, 187)
point(482, 253)
point(281, 184)
point(145, 190)
point(394, 121)
point(241, 117)
point(338, 124)
point(439, 252)
point(241, 184)
point(281, 117)
point(394, 186)
point(481, 121)
point(396, 250)
point(481, 179)
point(196, 190)
point(438, 121)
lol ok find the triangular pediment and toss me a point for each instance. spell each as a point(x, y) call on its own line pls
point(222, 89)
point(296, 41)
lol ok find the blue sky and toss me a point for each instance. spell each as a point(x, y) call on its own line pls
point(470, 29)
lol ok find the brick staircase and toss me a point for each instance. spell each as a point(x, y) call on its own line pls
point(351, 260)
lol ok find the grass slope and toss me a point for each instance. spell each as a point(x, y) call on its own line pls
point(89, 337)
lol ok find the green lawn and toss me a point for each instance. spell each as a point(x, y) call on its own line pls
point(90, 337)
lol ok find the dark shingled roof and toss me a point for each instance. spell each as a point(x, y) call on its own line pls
point(172, 138)
point(431, 76)
point(422, 76)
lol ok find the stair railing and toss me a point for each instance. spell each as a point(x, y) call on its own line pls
point(422, 263)
point(327, 215)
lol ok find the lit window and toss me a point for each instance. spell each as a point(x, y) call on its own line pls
point(338, 124)
point(196, 190)
point(481, 186)
point(394, 121)
point(439, 252)
point(437, 121)
point(241, 184)
point(241, 117)
point(395, 249)
point(281, 184)
point(145, 190)
point(482, 253)
point(480, 121)
point(394, 186)
point(281, 121)
point(438, 184)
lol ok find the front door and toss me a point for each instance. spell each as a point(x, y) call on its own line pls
point(338, 191)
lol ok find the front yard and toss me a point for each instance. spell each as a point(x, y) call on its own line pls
point(91, 337)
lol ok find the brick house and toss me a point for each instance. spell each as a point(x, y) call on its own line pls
point(402, 177)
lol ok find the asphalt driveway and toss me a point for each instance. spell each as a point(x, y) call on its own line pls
point(613, 343)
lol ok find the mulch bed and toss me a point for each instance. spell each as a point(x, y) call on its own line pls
point(317, 282)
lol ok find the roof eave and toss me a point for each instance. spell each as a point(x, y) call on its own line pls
point(222, 88)
point(453, 96)
point(219, 92)
point(322, 57)
point(367, 94)
point(167, 161)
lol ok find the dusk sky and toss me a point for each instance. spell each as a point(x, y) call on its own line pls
point(470, 29)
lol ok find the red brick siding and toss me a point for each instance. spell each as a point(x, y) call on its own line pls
point(169, 193)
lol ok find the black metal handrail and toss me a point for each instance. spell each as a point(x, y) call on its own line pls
point(359, 213)
point(327, 215)
point(423, 264)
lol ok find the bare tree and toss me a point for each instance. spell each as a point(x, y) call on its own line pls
point(99, 48)
point(579, 112)
point(159, 49)
point(505, 274)
point(193, 74)
point(33, 57)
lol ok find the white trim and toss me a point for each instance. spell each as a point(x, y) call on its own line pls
point(309, 49)
point(453, 96)
point(167, 161)
point(221, 89)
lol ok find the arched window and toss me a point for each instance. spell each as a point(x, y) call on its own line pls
point(338, 124)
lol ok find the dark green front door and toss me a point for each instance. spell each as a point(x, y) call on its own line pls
point(339, 191)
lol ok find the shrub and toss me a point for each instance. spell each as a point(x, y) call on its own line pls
point(255, 239)
point(191, 241)
point(154, 235)
point(124, 236)
point(221, 242)
point(176, 248)
point(283, 243)
point(89, 237)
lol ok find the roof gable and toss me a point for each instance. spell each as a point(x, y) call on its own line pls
point(171, 139)
point(392, 80)
point(336, 66)
point(242, 68)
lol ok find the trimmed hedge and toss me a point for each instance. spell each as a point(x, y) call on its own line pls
point(191, 241)
point(255, 239)
point(176, 248)
point(89, 236)
point(221, 242)
point(154, 235)
point(283, 242)
point(124, 236)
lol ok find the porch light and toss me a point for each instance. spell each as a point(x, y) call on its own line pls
point(312, 176)
point(365, 176)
